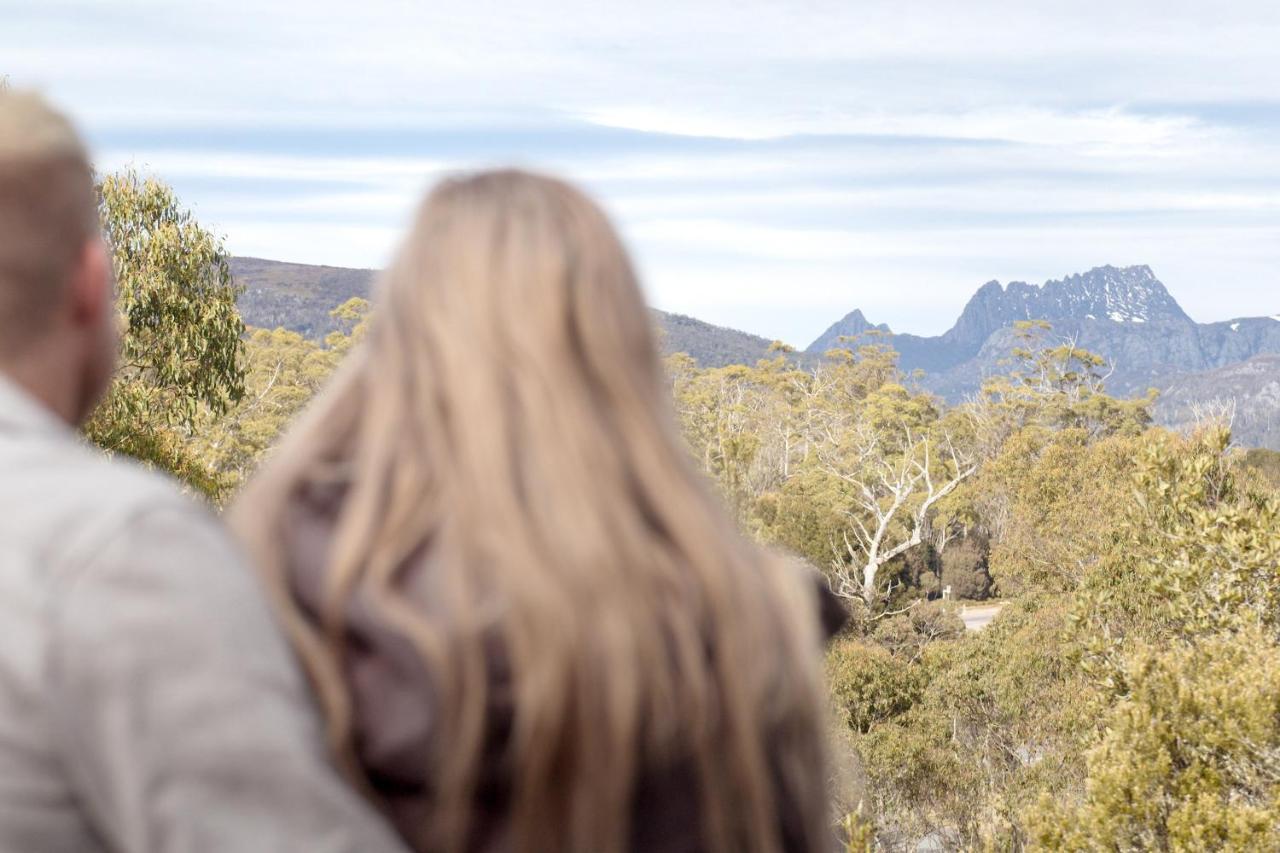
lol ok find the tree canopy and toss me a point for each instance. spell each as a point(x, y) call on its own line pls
point(182, 343)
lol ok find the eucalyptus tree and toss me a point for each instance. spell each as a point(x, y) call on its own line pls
point(182, 347)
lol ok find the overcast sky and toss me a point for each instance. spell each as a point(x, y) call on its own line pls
point(772, 165)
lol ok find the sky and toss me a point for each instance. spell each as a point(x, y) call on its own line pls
point(772, 165)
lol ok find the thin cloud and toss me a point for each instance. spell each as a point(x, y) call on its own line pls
point(773, 166)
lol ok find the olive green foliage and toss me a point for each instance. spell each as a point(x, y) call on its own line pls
point(1132, 702)
point(870, 685)
point(1051, 500)
point(964, 568)
point(197, 394)
point(959, 734)
point(842, 462)
point(182, 347)
point(1058, 385)
point(1127, 695)
point(283, 372)
point(916, 574)
point(859, 833)
point(1058, 455)
point(907, 634)
point(1266, 463)
point(805, 514)
point(1190, 756)
point(1180, 631)
point(1199, 555)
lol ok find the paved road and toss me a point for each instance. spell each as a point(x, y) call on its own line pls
point(976, 617)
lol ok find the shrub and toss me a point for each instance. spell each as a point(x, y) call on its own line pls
point(869, 685)
point(1265, 462)
point(907, 634)
point(1190, 757)
point(964, 568)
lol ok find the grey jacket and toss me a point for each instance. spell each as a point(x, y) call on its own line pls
point(147, 701)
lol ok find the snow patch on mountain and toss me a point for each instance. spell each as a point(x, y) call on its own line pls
point(1121, 294)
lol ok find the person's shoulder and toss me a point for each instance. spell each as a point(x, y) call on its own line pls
point(72, 499)
point(120, 487)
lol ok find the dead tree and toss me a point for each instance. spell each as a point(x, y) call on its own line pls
point(895, 490)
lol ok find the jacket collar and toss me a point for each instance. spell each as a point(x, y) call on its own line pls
point(22, 413)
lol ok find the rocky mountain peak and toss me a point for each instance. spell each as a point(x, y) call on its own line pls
point(1120, 294)
point(1106, 293)
point(851, 325)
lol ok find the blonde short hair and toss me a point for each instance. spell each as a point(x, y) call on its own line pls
point(48, 211)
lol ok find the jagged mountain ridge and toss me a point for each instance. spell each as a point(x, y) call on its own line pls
point(1123, 313)
point(300, 296)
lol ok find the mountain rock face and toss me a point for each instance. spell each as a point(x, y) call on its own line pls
point(1125, 314)
point(1121, 295)
point(300, 296)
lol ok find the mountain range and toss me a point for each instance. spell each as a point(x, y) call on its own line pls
point(1123, 313)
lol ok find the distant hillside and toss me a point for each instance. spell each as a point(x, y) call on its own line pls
point(300, 297)
point(710, 346)
point(296, 296)
point(1251, 387)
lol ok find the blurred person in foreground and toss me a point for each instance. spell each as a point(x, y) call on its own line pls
point(531, 626)
point(147, 699)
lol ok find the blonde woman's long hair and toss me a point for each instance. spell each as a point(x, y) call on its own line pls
point(507, 420)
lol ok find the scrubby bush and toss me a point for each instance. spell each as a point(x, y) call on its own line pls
point(1189, 758)
point(907, 634)
point(913, 576)
point(1180, 629)
point(1199, 555)
point(964, 568)
point(1127, 695)
point(869, 685)
point(1265, 462)
point(858, 833)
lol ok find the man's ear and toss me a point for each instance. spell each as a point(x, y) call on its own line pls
point(92, 286)
point(95, 323)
